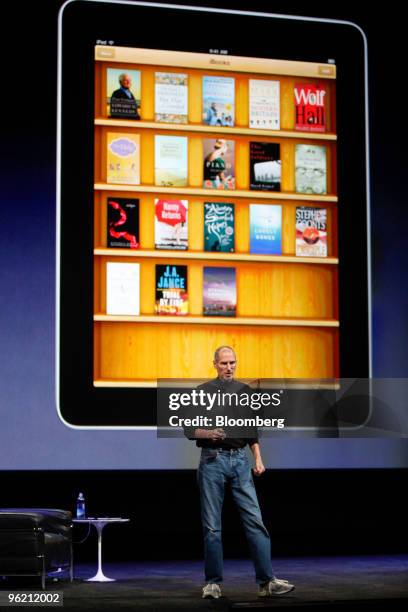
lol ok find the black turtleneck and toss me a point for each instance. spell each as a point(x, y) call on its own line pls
point(231, 441)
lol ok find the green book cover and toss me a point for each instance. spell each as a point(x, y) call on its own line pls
point(219, 230)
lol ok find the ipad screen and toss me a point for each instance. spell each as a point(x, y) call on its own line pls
point(213, 191)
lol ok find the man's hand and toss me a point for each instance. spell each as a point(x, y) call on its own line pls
point(216, 434)
point(211, 434)
point(259, 467)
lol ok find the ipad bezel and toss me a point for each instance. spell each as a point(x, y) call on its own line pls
point(79, 402)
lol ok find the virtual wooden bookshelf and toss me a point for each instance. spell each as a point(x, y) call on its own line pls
point(286, 325)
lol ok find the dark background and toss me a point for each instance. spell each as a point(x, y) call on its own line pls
point(308, 511)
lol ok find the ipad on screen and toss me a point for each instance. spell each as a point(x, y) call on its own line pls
point(212, 190)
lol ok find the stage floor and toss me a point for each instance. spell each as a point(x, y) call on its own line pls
point(371, 582)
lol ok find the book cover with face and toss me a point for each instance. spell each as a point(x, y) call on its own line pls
point(123, 97)
point(219, 101)
point(310, 173)
point(311, 231)
point(219, 163)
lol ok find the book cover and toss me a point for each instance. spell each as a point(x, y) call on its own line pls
point(171, 290)
point(171, 97)
point(219, 227)
point(311, 231)
point(265, 166)
point(219, 163)
point(122, 288)
point(219, 100)
point(171, 224)
point(310, 113)
point(123, 223)
point(265, 232)
point(220, 292)
point(170, 161)
point(310, 173)
point(264, 104)
point(123, 158)
point(123, 93)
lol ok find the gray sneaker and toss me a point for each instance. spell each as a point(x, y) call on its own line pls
point(275, 587)
point(211, 590)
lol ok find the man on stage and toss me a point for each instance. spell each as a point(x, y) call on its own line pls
point(224, 460)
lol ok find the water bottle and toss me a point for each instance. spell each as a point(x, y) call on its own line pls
point(80, 506)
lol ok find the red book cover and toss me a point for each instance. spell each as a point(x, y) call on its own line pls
point(171, 224)
point(123, 223)
point(310, 108)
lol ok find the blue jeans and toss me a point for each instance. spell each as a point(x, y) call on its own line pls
point(216, 468)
